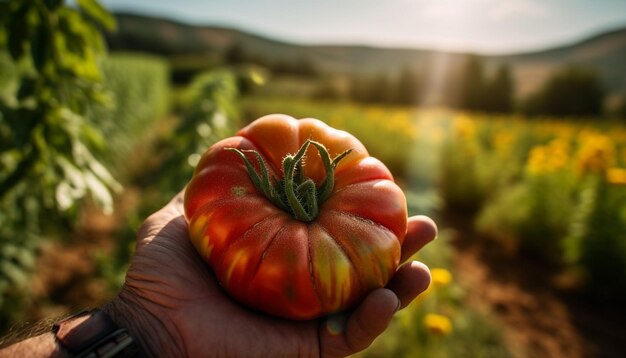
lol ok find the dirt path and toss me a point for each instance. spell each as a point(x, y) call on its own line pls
point(66, 277)
point(541, 320)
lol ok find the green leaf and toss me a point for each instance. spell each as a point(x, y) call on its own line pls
point(26, 88)
point(16, 274)
point(18, 31)
point(99, 192)
point(40, 47)
point(53, 4)
point(71, 40)
point(93, 35)
point(98, 13)
point(103, 174)
point(21, 123)
point(4, 19)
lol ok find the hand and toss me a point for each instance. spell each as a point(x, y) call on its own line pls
point(172, 304)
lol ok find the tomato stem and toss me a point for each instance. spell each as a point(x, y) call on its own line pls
point(295, 193)
point(261, 183)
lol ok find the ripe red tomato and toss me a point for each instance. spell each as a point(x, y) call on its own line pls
point(287, 245)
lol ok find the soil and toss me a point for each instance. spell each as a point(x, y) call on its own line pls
point(66, 277)
point(542, 313)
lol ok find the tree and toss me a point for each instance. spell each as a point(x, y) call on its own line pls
point(372, 89)
point(500, 91)
point(235, 54)
point(479, 92)
point(473, 84)
point(572, 91)
point(407, 87)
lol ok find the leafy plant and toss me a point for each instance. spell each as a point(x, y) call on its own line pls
point(138, 86)
point(208, 113)
point(48, 150)
point(596, 243)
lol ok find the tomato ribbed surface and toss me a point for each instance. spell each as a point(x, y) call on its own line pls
point(272, 262)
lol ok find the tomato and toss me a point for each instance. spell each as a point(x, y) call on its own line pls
point(287, 229)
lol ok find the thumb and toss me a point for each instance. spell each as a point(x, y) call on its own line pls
point(343, 335)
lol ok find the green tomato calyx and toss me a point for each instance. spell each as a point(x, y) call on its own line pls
point(295, 193)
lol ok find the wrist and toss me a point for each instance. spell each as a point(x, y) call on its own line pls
point(42, 345)
point(93, 333)
point(145, 326)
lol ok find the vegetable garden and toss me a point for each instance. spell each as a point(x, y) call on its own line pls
point(550, 191)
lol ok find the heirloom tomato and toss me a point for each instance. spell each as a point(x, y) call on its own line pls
point(295, 218)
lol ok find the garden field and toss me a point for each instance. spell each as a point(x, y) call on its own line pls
point(531, 211)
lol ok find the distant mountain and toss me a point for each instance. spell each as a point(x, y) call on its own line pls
point(606, 53)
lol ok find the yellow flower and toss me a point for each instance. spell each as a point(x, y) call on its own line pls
point(616, 176)
point(464, 126)
point(438, 324)
point(441, 277)
point(596, 153)
point(536, 160)
point(503, 141)
point(548, 158)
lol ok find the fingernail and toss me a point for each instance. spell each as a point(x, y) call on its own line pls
point(399, 306)
point(335, 324)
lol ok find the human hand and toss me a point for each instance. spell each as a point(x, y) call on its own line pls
point(172, 304)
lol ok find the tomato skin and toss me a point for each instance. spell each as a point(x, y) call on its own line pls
point(272, 262)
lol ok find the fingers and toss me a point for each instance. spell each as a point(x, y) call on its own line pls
point(344, 335)
point(410, 280)
point(420, 231)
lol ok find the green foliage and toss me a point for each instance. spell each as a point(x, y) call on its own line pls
point(470, 333)
point(139, 93)
point(372, 89)
point(597, 238)
point(473, 84)
point(572, 91)
point(471, 168)
point(555, 190)
point(95, 12)
point(408, 89)
point(208, 110)
point(59, 79)
point(47, 148)
point(208, 113)
point(461, 187)
point(500, 90)
point(139, 89)
point(386, 132)
point(402, 89)
point(533, 216)
point(480, 92)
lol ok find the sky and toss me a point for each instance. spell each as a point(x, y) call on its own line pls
point(482, 26)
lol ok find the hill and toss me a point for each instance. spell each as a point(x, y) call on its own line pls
point(606, 53)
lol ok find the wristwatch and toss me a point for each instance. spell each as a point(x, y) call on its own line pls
point(93, 334)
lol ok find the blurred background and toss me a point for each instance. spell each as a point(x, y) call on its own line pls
point(504, 121)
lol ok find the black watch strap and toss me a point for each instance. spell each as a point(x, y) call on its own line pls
point(93, 334)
